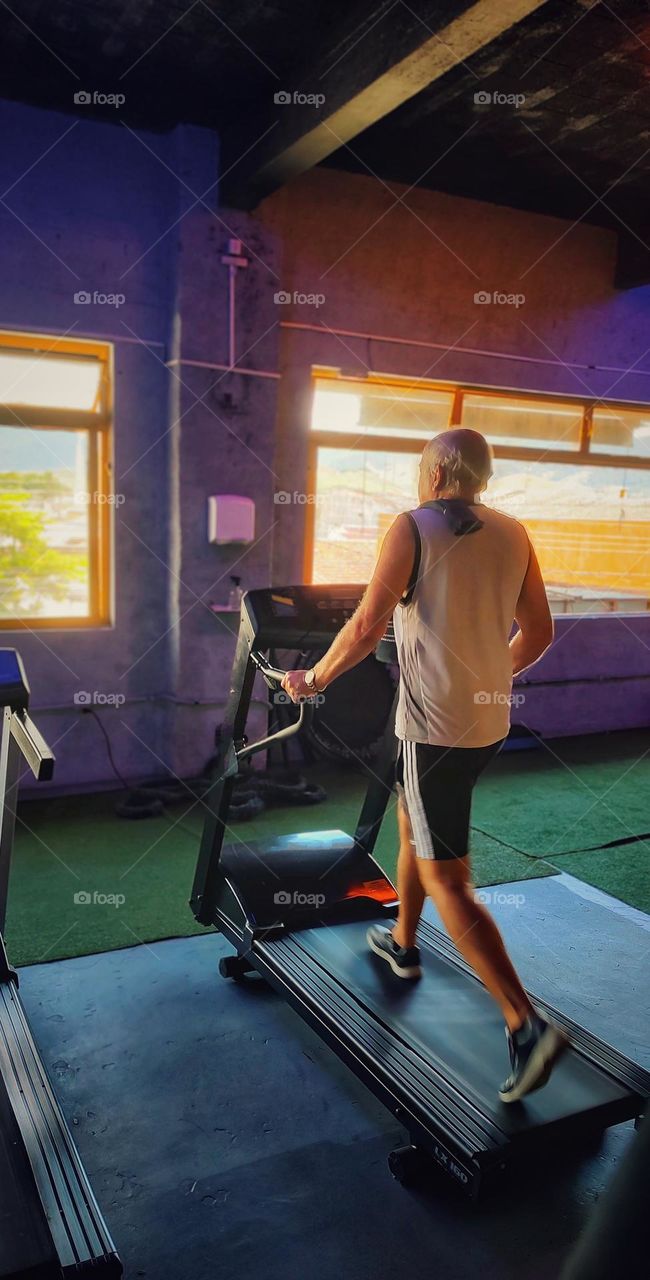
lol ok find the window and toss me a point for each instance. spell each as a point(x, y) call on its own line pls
point(591, 530)
point(374, 409)
point(54, 490)
point(576, 474)
point(523, 422)
point(359, 495)
point(621, 431)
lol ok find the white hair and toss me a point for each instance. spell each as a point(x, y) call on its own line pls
point(464, 456)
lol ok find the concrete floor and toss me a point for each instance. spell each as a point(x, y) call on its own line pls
point(223, 1138)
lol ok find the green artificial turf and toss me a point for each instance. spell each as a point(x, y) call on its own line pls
point(74, 845)
point(534, 812)
point(568, 794)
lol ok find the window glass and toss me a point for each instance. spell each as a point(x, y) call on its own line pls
point(590, 527)
point(373, 409)
point(590, 524)
point(31, 378)
point(531, 423)
point(621, 431)
point(44, 524)
point(358, 495)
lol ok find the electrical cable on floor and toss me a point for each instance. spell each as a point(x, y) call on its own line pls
point(612, 844)
point(559, 853)
point(254, 791)
point(89, 711)
point(532, 857)
point(146, 801)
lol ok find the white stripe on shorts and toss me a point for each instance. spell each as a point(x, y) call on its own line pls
point(423, 842)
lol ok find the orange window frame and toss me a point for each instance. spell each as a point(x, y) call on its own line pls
point(582, 455)
point(96, 424)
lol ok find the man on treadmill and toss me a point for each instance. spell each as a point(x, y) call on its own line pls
point(454, 574)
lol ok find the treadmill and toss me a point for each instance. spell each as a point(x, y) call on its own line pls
point(51, 1227)
point(296, 909)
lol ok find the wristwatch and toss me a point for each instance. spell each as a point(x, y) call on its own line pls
point(310, 681)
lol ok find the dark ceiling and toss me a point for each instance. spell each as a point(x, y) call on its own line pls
point(575, 143)
point(582, 130)
point(202, 61)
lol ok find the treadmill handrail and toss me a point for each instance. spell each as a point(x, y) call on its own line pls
point(274, 677)
point(33, 746)
point(20, 741)
point(242, 753)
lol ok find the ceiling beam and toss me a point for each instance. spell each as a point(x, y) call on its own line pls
point(391, 58)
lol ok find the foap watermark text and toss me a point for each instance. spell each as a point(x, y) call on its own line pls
point(499, 898)
point(86, 98)
point(86, 698)
point(497, 298)
point(282, 699)
point(84, 298)
point(86, 899)
point(294, 898)
point(296, 98)
point(483, 698)
point(283, 298)
point(86, 498)
point(283, 498)
point(495, 98)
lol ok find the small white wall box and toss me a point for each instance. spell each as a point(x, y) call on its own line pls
point(231, 518)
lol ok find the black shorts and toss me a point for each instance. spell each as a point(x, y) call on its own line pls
point(435, 785)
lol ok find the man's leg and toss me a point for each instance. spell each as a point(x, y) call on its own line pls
point(438, 786)
point(435, 810)
point(471, 928)
point(534, 1043)
point(397, 945)
point(409, 885)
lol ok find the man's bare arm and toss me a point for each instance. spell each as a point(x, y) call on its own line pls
point(533, 618)
point(364, 629)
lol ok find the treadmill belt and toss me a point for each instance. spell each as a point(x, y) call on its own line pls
point(452, 1022)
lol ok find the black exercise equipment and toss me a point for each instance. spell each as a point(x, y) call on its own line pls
point(50, 1225)
point(296, 909)
point(349, 724)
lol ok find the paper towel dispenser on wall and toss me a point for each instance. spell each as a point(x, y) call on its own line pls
point(231, 518)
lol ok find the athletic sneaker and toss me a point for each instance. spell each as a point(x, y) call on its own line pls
point(534, 1050)
point(404, 961)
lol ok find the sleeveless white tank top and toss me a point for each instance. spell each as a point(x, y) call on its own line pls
point(453, 635)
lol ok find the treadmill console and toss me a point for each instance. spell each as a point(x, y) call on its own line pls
point(14, 689)
point(299, 617)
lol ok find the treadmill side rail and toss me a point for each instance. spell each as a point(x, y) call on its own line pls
point(363, 1052)
point(467, 1137)
point(80, 1237)
point(51, 1224)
